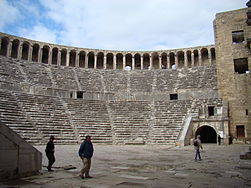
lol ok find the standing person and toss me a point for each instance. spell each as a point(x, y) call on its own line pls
point(197, 146)
point(219, 139)
point(85, 153)
point(50, 149)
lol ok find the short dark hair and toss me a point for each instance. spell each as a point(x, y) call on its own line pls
point(52, 138)
point(87, 136)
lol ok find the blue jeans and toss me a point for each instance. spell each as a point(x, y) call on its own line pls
point(197, 154)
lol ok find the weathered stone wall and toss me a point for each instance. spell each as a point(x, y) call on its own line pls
point(234, 87)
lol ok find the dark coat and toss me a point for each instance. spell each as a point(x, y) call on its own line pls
point(50, 147)
point(86, 150)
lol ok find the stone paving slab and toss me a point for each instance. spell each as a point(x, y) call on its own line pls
point(144, 166)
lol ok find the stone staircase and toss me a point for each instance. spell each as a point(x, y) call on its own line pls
point(12, 114)
point(169, 118)
point(90, 117)
point(130, 121)
point(49, 116)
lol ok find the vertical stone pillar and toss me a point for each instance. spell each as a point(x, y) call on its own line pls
point(50, 56)
point(114, 62)
point(168, 61)
point(77, 58)
point(210, 57)
point(192, 59)
point(133, 63)
point(30, 53)
point(124, 63)
point(151, 61)
point(9, 48)
point(141, 62)
point(59, 58)
point(176, 60)
point(67, 58)
point(105, 61)
point(40, 53)
point(95, 61)
point(20, 51)
point(186, 60)
point(86, 60)
point(160, 63)
point(200, 58)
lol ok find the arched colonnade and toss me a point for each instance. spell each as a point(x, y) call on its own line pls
point(103, 59)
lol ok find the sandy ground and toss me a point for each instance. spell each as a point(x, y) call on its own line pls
point(145, 166)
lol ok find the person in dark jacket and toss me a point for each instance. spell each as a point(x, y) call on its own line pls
point(50, 149)
point(85, 153)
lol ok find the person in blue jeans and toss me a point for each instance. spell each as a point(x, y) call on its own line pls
point(197, 146)
point(85, 153)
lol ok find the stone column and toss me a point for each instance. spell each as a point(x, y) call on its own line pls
point(40, 53)
point(168, 61)
point(141, 62)
point(124, 63)
point(160, 63)
point(20, 51)
point(210, 57)
point(105, 61)
point(9, 48)
point(30, 53)
point(186, 60)
point(77, 58)
point(95, 61)
point(176, 60)
point(192, 59)
point(200, 58)
point(86, 60)
point(59, 58)
point(133, 63)
point(151, 62)
point(114, 62)
point(50, 56)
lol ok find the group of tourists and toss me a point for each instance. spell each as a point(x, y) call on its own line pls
point(85, 153)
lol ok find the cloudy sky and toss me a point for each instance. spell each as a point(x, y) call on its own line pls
point(115, 24)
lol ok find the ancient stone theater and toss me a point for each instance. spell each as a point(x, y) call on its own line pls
point(130, 97)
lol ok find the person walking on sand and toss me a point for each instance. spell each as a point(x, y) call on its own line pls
point(197, 147)
point(85, 153)
point(50, 149)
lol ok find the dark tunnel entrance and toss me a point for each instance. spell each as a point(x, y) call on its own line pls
point(207, 134)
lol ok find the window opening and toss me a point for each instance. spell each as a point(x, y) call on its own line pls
point(241, 65)
point(173, 96)
point(211, 110)
point(238, 36)
point(240, 130)
point(79, 94)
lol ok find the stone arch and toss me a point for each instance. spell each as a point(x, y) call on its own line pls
point(4, 46)
point(146, 61)
point(119, 58)
point(72, 58)
point(155, 60)
point(25, 50)
point(196, 57)
point(204, 56)
point(164, 61)
point(90, 60)
point(189, 58)
point(63, 57)
point(54, 59)
point(45, 54)
point(172, 59)
point(213, 55)
point(15, 48)
point(109, 61)
point(181, 59)
point(207, 133)
point(81, 59)
point(100, 60)
point(128, 58)
point(137, 60)
point(35, 52)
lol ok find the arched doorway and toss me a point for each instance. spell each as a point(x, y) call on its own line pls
point(207, 134)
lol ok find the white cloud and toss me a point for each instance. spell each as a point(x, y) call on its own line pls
point(129, 24)
point(40, 33)
point(9, 14)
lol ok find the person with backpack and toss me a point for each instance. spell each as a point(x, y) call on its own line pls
point(197, 146)
point(85, 153)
